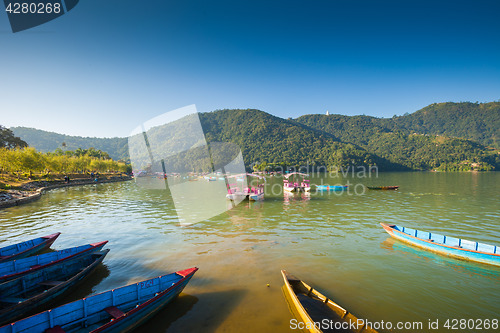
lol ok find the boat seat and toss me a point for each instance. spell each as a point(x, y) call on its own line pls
point(13, 300)
point(55, 329)
point(50, 283)
point(114, 312)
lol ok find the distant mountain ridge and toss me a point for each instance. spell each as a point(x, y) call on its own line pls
point(49, 141)
point(439, 136)
point(472, 121)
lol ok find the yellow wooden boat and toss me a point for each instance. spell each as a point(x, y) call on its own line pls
point(316, 313)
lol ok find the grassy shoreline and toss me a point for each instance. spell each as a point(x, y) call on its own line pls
point(15, 190)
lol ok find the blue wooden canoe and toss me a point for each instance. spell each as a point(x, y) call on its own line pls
point(21, 295)
point(15, 268)
point(27, 248)
point(117, 310)
point(450, 246)
point(331, 187)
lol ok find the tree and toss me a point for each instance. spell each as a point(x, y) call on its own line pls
point(8, 140)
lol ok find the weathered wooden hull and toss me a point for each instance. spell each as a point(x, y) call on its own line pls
point(449, 246)
point(32, 290)
point(27, 248)
point(15, 268)
point(118, 310)
point(300, 295)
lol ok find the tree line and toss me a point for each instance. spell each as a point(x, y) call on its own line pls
point(29, 160)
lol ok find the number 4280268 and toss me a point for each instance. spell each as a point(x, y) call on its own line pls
point(33, 8)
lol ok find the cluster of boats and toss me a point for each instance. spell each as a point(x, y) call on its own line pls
point(250, 186)
point(29, 281)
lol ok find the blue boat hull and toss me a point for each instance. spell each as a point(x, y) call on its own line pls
point(331, 188)
point(15, 268)
point(117, 310)
point(449, 246)
point(27, 248)
point(44, 285)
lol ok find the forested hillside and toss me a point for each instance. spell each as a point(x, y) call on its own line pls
point(266, 138)
point(474, 121)
point(436, 137)
point(49, 141)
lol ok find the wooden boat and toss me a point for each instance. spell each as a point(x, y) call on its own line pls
point(449, 246)
point(15, 268)
point(31, 290)
point(254, 191)
point(296, 182)
point(117, 310)
point(27, 248)
point(383, 187)
point(311, 308)
point(331, 187)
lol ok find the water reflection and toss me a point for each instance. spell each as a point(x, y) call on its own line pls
point(176, 309)
point(469, 267)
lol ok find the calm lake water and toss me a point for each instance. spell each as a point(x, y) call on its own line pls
point(332, 241)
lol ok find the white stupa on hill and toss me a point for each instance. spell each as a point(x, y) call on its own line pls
point(327, 113)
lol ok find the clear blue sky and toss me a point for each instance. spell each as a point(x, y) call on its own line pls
point(107, 66)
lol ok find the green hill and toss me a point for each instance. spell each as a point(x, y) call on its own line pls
point(417, 141)
point(264, 138)
point(427, 139)
point(49, 141)
point(474, 121)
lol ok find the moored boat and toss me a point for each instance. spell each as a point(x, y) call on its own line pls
point(13, 269)
point(331, 187)
point(118, 310)
point(446, 245)
point(27, 248)
point(296, 182)
point(252, 190)
point(21, 295)
point(383, 187)
point(316, 312)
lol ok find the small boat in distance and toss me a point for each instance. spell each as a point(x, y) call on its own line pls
point(254, 190)
point(26, 293)
point(311, 308)
point(15, 268)
point(383, 187)
point(296, 182)
point(27, 248)
point(449, 246)
point(117, 310)
point(331, 187)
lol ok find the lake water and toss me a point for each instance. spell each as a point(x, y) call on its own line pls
point(332, 241)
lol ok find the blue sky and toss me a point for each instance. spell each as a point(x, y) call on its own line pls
point(107, 66)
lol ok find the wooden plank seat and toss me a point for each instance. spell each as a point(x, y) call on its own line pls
point(114, 312)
